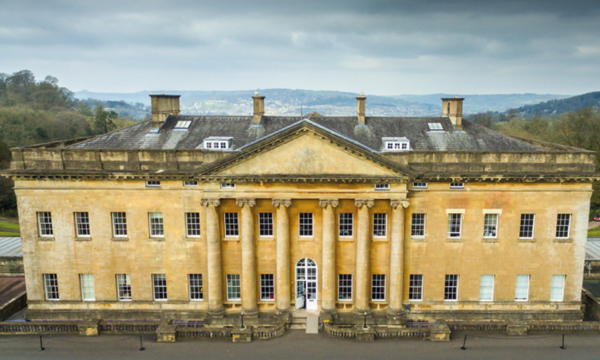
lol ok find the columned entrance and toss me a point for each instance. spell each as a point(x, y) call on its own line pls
point(306, 284)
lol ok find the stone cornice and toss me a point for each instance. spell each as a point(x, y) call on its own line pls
point(331, 202)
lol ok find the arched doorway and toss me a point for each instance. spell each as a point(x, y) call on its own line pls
point(306, 284)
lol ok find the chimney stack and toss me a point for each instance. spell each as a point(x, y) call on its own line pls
point(453, 108)
point(259, 108)
point(163, 106)
point(360, 108)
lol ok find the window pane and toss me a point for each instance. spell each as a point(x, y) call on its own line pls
point(159, 285)
point(522, 288)
point(526, 228)
point(345, 287)
point(265, 224)
point(490, 226)
point(233, 287)
point(563, 223)
point(267, 287)
point(119, 224)
point(346, 224)
point(231, 224)
point(558, 288)
point(123, 287)
point(451, 287)
point(305, 224)
point(88, 292)
point(196, 290)
point(415, 287)
point(45, 223)
point(454, 225)
point(380, 225)
point(192, 222)
point(378, 288)
point(417, 227)
point(486, 290)
point(156, 224)
point(82, 224)
point(51, 285)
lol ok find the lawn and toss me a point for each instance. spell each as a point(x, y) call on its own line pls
point(7, 225)
point(595, 232)
point(8, 234)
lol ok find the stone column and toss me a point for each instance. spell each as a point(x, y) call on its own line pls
point(213, 244)
point(363, 244)
point(249, 302)
point(283, 293)
point(328, 308)
point(395, 310)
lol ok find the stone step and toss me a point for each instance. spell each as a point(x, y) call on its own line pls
point(297, 326)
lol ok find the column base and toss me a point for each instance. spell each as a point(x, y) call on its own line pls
point(250, 313)
point(217, 313)
point(396, 316)
point(328, 315)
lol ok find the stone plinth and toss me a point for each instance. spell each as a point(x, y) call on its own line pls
point(517, 328)
point(365, 333)
point(241, 334)
point(166, 332)
point(440, 332)
point(88, 327)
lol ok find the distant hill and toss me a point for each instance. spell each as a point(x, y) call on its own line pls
point(137, 111)
point(559, 106)
point(295, 102)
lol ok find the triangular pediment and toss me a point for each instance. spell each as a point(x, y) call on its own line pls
point(305, 151)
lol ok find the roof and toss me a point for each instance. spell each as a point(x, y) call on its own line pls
point(10, 288)
point(472, 137)
point(10, 247)
point(592, 249)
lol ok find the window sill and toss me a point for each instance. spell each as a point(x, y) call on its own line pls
point(455, 240)
point(490, 240)
point(157, 239)
point(562, 241)
point(526, 240)
point(418, 239)
point(120, 239)
point(192, 239)
point(42, 238)
point(83, 238)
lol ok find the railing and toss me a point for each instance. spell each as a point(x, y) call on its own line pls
point(204, 333)
point(127, 327)
point(583, 326)
point(267, 332)
point(37, 327)
point(477, 326)
point(396, 333)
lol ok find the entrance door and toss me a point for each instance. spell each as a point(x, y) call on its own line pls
point(306, 284)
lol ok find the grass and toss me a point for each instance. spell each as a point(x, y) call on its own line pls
point(7, 225)
point(595, 232)
point(8, 234)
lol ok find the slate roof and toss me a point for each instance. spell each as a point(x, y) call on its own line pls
point(472, 137)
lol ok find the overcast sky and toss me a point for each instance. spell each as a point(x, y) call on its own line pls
point(374, 46)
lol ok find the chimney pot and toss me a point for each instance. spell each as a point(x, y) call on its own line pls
point(163, 106)
point(453, 108)
point(259, 108)
point(360, 108)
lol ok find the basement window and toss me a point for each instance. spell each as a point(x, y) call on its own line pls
point(182, 125)
point(396, 144)
point(435, 126)
point(218, 143)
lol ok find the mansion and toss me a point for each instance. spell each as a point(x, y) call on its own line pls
point(194, 217)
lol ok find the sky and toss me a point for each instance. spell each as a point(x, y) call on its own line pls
point(379, 47)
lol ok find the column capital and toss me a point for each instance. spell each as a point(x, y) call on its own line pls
point(242, 202)
point(359, 203)
point(210, 202)
point(395, 203)
point(282, 202)
point(331, 202)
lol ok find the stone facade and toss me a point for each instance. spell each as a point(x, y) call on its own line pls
point(304, 169)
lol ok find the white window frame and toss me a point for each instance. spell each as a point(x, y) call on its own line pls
point(419, 185)
point(412, 227)
point(451, 219)
point(228, 185)
point(123, 287)
point(156, 224)
point(159, 287)
point(190, 183)
point(346, 288)
point(51, 287)
point(553, 288)
point(413, 284)
point(446, 287)
point(382, 187)
point(457, 185)
point(79, 225)
point(532, 227)
point(231, 224)
point(229, 279)
point(517, 287)
point(87, 287)
point(346, 217)
point(192, 225)
point(312, 225)
point(378, 285)
point(481, 288)
point(396, 144)
point(435, 126)
point(217, 143)
point(196, 287)
point(383, 225)
point(267, 283)
point(153, 183)
point(265, 225)
point(486, 224)
point(559, 225)
point(182, 125)
point(119, 215)
point(45, 226)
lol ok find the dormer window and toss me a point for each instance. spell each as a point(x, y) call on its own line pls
point(396, 144)
point(218, 143)
point(182, 125)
